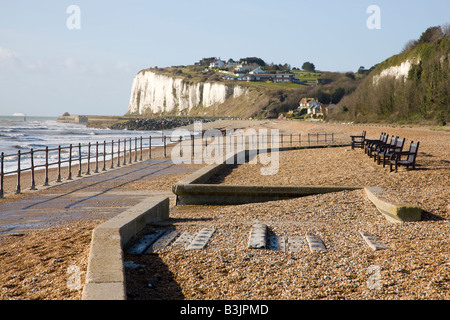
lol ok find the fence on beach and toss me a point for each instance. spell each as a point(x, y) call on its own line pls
point(101, 156)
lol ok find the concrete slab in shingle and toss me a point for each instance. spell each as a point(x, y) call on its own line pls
point(315, 243)
point(184, 239)
point(372, 241)
point(201, 239)
point(145, 241)
point(295, 243)
point(163, 241)
point(258, 236)
point(277, 243)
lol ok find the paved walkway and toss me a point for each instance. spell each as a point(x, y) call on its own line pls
point(99, 196)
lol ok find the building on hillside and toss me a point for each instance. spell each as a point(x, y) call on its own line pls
point(283, 77)
point(308, 102)
point(269, 77)
point(217, 63)
point(257, 71)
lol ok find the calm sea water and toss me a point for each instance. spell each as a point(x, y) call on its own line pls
point(17, 133)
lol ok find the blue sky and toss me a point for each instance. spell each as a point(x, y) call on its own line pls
point(47, 69)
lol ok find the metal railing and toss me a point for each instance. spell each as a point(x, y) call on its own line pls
point(101, 156)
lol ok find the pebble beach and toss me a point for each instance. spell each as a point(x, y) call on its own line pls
point(414, 263)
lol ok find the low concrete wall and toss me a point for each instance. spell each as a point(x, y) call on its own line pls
point(393, 212)
point(210, 194)
point(105, 278)
point(192, 190)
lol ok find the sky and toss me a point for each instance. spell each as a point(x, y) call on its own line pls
point(57, 58)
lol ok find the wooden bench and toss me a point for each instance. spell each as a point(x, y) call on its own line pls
point(358, 141)
point(388, 151)
point(381, 147)
point(410, 160)
point(372, 146)
point(368, 142)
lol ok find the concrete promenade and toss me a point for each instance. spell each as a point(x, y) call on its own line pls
point(99, 196)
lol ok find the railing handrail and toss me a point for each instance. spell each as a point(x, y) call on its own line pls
point(126, 151)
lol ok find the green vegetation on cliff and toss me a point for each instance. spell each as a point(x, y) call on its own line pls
point(423, 95)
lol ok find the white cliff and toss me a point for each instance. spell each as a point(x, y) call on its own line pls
point(156, 93)
point(398, 72)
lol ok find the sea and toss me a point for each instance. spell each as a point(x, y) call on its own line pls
point(24, 133)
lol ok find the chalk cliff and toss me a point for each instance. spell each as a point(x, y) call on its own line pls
point(154, 93)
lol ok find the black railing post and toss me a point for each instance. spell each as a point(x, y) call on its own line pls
point(18, 172)
point(79, 160)
point(70, 162)
point(104, 155)
point(33, 182)
point(118, 153)
point(112, 154)
point(135, 149)
point(124, 151)
point(96, 157)
point(59, 164)
point(164, 139)
point(149, 147)
point(140, 158)
point(130, 150)
point(46, 167)
point(299, 139)
point(1, 175)
point(88, 171)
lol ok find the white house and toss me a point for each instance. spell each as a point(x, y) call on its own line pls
point(257, 71)
point(217, 63)
point(312, 105)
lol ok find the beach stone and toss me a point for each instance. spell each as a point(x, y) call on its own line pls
point(315, 243)
point(201, 239)
point(258, 236)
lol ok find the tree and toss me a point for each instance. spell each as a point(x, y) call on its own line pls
point(431, 34)
point(251, 60)
point(308, 66)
